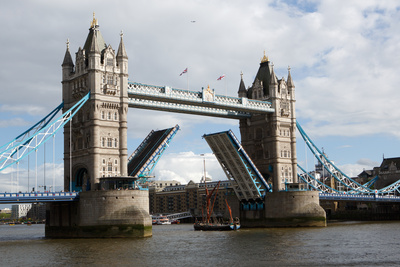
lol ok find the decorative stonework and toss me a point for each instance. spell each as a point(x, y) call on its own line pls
point(99, 130)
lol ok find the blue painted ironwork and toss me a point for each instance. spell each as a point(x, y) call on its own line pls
point(36, 197)
point(35, 128)
point(316, 184)
point(359, 197)
point(247, 182)
point(371, 182)
point(205, 102)
point(352, 187)
point(152, 155)
point(24, 144)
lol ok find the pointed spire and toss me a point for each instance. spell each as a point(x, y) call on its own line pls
point(264, 58)
point(289, 79)
point(94, 38)
point(67, 58)
point(94, 22)
point(273, 80)
point(94, 46)
point(242, 88)
point(121, 48)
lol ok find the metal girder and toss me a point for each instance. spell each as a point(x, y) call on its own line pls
point(205, 102)
point(351, 186)
point(364, 198)
point(38, 197)
point(247, 181)
point(24, 144)
point(151, 160)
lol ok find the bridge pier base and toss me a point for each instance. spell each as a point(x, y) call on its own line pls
point(287, 209)
point(114, 213)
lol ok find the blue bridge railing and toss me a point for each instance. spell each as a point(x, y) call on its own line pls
point(38, 197)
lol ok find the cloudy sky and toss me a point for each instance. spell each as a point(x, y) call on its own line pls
point(344, 62)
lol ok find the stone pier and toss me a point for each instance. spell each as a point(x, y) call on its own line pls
point(114, 213)
point(287, 209)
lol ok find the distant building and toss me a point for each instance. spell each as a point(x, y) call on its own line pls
point(388, 172)
point(20, 210)
point(175, 198)
point(366, 176)
point(37, 212)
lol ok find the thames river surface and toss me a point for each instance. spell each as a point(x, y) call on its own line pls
point(339, 244)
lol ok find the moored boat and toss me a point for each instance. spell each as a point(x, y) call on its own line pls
point(160, 220)
point(217, 226)
point(207, 223)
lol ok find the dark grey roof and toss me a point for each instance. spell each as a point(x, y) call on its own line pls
point(387, 162)
point(99, 39)
point(121, 49)
point(264, 75)
point(242, 89)
point(67, 59)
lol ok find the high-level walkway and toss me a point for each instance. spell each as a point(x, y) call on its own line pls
point(204, 102)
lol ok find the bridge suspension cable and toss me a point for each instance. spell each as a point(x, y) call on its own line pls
point(24, 144)
point(350, 186)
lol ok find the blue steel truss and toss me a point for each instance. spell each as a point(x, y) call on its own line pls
point(24, 144)
point(148, 163)
point(350, 186)
point(247, 182)
point(35, 128)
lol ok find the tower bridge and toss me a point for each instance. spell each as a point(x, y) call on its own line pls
point(262, 166)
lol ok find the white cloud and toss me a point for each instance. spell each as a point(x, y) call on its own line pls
point(344, 58)
point(188, 166)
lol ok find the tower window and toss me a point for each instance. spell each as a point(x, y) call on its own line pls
point(102, 115)
point(110, 62)
point(109, 142)
point(110, 80)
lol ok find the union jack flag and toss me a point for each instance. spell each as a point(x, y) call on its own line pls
point(221, 77)
point(183, 72)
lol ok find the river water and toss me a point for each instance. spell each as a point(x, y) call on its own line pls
point(339, 244)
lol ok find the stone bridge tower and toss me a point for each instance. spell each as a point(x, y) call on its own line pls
point(270, 140)
point(97, 146)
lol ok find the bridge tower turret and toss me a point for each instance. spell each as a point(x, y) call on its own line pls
point(96, 144)
point(270, 140)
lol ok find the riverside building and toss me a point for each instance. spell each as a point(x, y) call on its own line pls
point(175, 198)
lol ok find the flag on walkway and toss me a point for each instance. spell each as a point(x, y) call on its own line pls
point(221, 77)
point(183, 72)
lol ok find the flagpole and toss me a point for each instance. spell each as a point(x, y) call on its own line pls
point(187, 78)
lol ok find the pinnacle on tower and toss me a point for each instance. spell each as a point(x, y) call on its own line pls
point(273, 80)
point(290, 83)
point(121, 48)
point(67, 58)
point(242, 88)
